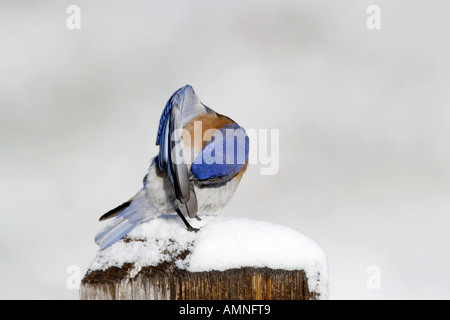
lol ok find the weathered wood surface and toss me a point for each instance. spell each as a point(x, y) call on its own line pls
point(167, 282)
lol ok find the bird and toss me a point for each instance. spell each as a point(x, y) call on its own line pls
point(202, 158)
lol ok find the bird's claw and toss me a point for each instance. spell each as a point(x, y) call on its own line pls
point(190, 229)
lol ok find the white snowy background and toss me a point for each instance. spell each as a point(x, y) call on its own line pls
point(364, 120)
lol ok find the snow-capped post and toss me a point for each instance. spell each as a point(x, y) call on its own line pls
point(228, 259)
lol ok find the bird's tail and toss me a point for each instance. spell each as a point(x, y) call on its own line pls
point(137, 212)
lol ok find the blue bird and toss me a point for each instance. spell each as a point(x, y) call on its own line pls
point(202, 158)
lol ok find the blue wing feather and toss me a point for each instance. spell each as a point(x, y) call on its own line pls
point(163, 121)
point(182, 108)
point(190, 107)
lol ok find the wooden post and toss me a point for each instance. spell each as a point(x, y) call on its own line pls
point(161, 260)
point(167, 282)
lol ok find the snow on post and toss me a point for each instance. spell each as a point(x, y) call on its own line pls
point(229, 258)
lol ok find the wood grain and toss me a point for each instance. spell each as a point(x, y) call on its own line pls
point(167, 282)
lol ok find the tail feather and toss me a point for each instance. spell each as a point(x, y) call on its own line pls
point(116, 211)
point(137, 212)
point(114, 232)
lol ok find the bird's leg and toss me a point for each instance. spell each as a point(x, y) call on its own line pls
point(198, 218)
point(188, 226)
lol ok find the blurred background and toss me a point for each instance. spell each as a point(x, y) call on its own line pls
point(363, 116)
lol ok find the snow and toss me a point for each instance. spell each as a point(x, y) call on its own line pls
point(222, 243)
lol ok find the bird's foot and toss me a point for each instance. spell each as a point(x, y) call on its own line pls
point(186, 223)
point(190, 229)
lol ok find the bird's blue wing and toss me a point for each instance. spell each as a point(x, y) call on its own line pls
point(188, 103)
point(182, 108)
point(223, 157)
